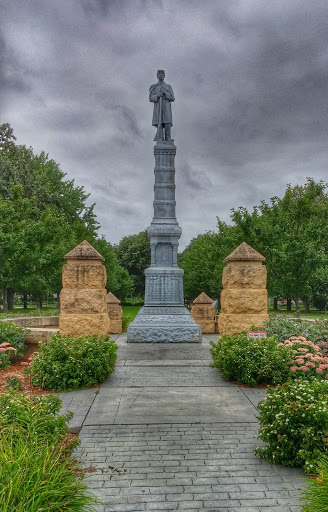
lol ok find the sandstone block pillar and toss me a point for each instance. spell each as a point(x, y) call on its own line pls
point(203, 312)
point(115, 313)
point(244, 298)
point(83, 306)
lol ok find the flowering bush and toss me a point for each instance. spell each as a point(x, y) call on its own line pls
point(284, 328)
point(251, 360)
point(307, 360)
point(67, 363)
point(294, 423)
point(13, 335)
point(5, 350)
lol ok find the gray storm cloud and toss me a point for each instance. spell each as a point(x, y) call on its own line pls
point(250, 80)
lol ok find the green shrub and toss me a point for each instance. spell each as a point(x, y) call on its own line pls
point(67, 363)
point(251, 360)
point(316, 491)
point(37, 414)
point(285, 328)
point(36, 475)
point(14, 335)
point(294, 423)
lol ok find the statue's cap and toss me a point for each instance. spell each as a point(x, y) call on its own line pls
point(160, 71)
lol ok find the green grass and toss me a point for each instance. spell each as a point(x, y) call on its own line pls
point(282, 310)
point(129, 314)
point(50, 310)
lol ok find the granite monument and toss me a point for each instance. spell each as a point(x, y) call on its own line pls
point(164, 318)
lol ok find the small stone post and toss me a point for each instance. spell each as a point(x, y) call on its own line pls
point(203, 312)
point(244, 298)
point(115, 313)
point(83, 296)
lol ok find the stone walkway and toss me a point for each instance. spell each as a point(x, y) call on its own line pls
point(166, 432)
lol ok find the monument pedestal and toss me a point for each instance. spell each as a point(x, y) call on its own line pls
point(164, 319)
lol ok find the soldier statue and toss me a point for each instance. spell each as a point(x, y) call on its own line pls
point(161, 94)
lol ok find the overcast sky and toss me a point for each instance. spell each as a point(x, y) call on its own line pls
point(250, 79)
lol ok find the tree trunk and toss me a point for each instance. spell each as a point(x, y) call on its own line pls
point(38, 301)
point(275, 304)
point(289, 304)
point(306, 304)
point(297, 305)
point(25, 301)
point(10, 298)
point(4, 300)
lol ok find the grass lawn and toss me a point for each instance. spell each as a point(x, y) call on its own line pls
point(314, 313)
point(129, 314)
point(47, 310)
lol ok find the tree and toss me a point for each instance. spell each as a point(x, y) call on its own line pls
point(133, 253)
point(202, 260)
point(291, 233)
point(118, 280)
point(43, 216)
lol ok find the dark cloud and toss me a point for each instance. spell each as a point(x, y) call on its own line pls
point(250, 80)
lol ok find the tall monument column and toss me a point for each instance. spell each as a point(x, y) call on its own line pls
point(164, 318)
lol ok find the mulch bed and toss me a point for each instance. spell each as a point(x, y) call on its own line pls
point(17, 369)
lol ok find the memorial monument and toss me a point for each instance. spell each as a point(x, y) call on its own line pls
point(163, 318)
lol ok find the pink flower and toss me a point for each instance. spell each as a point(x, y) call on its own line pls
point(319, 370)
point(294, 351)
point(24, 363)
point(309, 364)
point(304, 368)
point(11, 348)
point(3, 350)
point(302, 349)
point(302, 338)
point(309, 355)
point(300, 361)
point(293, 368)
point(4, 344)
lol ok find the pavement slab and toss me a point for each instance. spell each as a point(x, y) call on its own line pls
point(166, 432)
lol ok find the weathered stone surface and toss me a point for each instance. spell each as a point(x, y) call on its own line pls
point(244, 301)
point(81, 275)
point(203, 298)
point(207, 325)
point(115, 326)
point(235, 323)
point(244, 276)
point(244, 298)
point(203, 312)
point(83, 251)
point(85, 300)
point(115, 312)
point(244, 252)
point(84, 324)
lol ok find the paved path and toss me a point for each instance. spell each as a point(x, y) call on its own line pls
point(166, 432)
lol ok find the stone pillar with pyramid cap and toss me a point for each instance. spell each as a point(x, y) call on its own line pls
point(203, 312)
point(115, 313)
point(164, 317)
point(83, 307)
point(244, 298)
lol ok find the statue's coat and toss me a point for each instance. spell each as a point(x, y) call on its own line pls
point(166, 102)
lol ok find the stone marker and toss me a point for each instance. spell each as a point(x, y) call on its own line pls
point(83, 307)
point(203, 312)
point(115, 313)
point(244, 298)
point(164, 318)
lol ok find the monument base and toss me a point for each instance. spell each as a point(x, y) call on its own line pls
point(164, 324)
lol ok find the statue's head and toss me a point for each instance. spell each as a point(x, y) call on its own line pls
point(161, 74)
